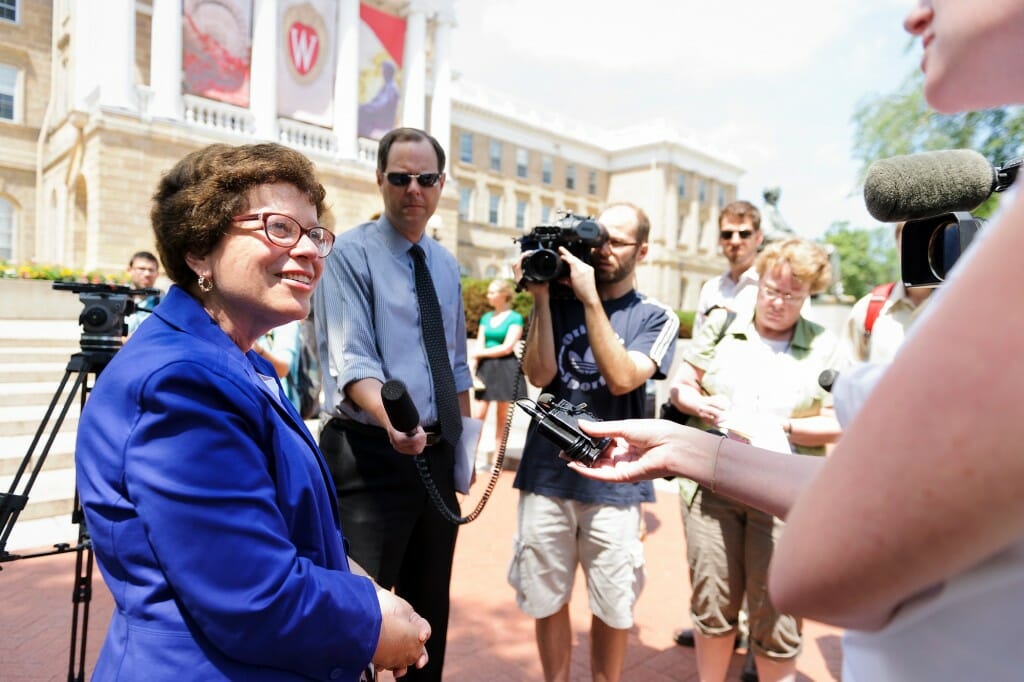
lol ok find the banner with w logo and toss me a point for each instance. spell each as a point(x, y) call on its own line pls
point(306, 60)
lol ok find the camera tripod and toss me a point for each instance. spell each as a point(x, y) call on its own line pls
point(80, 366)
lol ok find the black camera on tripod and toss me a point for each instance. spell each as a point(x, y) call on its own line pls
point(102, 318)
point(580, 235)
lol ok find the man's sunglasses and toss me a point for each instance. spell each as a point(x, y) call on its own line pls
point(727, 235)
point(403, 179)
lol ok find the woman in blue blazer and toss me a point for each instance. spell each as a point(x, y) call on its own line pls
point(209, 504)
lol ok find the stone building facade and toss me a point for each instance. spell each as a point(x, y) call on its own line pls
point(92, 112)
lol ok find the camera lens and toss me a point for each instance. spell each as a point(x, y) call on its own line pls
point(542, 265)
point(943, 249)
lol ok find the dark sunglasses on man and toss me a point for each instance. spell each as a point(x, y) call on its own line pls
point(403, 179)
point(727, 235)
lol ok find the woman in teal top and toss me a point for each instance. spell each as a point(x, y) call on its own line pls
point(496, 363)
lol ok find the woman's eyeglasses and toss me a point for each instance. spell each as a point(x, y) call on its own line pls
point(403, 179)
point(285, 231)
point(771, 294)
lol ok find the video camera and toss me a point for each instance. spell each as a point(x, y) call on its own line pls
point(558, 422)
point(932, 193)
point(102, 318)
point(580, 235)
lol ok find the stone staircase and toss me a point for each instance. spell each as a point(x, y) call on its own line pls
point(34, 355)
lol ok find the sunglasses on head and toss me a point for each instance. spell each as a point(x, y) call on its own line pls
point(726, 235)
point(403, 179)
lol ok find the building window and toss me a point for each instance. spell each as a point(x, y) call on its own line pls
point(9, 10)
point(721, 198)
point(521, 213)
point(466, 147)
point(702, 193)
point(522, 162)
point(8, 91)
point(570, 176)
point(681, 185)
point(492, 209)
point(6, 230)
point(545, 214)
point(592, 182)
point(465, 202)
point(546, 171)
point(495, 155)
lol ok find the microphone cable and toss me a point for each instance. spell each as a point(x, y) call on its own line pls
point(423, 466)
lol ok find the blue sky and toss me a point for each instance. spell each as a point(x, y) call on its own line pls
point(772, 85)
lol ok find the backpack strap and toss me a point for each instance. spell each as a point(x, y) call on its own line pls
point(729, 317)
point(879, 295)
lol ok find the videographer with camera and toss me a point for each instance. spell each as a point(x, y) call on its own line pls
point(911, 533)
point(592, 339)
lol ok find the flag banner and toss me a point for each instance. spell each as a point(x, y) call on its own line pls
point(306, 60)
point(217, 49)
point(381, 42)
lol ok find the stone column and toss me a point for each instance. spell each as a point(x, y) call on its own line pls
point(441, 101)
point(346, 79)
point(165, 69)
point(414, 68)
point(113, 41)
point(263, 76)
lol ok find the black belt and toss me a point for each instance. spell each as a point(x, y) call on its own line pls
point(371, 431)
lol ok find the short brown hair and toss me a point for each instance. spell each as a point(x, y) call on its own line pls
point(807, 261)
point(407, 135)
point(643, 223)
point(740, 212)
point(196, 200)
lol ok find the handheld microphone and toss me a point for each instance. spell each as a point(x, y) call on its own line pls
point(827, 379)
point(923, 185)
point(399, 406)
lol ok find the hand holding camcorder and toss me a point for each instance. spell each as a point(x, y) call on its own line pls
point(559, 423)
point(580, 235)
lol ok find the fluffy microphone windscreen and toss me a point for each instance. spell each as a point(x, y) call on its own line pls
point(399, 406)
point(927, 184)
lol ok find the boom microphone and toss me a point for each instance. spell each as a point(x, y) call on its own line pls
point(930, 183)
point(399, 407)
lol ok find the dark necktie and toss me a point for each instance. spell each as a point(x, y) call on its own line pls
point(437, 350)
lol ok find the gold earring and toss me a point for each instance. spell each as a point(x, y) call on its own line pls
point(205, 284)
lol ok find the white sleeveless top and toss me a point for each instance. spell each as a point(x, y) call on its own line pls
point(969, 630)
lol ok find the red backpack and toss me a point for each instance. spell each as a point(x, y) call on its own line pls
point(879, 295)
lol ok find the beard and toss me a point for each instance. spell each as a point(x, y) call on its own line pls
point(622, 271)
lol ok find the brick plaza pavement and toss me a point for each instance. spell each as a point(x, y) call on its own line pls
point(489, 639)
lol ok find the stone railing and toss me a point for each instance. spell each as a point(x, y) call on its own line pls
point(206, 113)
point(367, 151)
point(306, 137)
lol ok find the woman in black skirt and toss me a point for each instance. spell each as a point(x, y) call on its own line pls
point(497, 366)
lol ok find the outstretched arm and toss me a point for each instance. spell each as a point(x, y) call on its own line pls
point(652, 448)
point(925, 481)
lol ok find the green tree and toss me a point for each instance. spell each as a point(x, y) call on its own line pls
point(902, 123)
point(866, 256)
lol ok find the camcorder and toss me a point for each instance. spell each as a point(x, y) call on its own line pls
point(580, 235)
point(102, 317)
point(559, 423)
point(931, 246)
